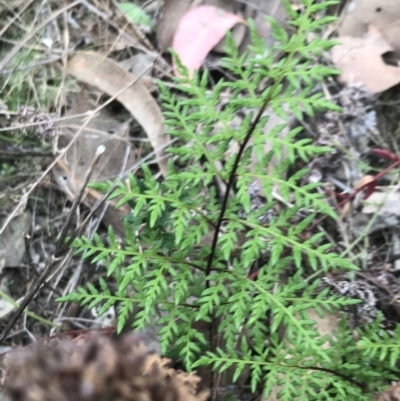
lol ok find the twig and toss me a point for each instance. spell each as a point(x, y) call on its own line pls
point(35, 287)
point(32, 265)
point(22, 153)
point(55, 161)
point(93, 211)
point(61, 240)
point(60, 251)
point(372, 184)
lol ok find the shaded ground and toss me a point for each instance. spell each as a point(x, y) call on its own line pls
point(47, 150)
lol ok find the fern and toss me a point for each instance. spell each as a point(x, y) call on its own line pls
point(378, 343)
point(205, 267)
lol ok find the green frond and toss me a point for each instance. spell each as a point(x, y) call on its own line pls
point(173, 271)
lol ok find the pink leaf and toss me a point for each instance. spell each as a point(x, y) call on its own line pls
point(199, 30)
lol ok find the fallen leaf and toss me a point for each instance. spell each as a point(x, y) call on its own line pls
point(361, 224)
point(102, 129)
point(199, 30)
point(170, 14)
point(384, 15)
point(172, 11)
point(360, 62)
point(112, 79)
point(369, 182)
point(383, 203)
point(138, 63)
point(118, 157)
point(12, 249)
point(391, 394)
point(238, 33)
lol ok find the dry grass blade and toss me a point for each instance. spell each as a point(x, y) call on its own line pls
point(61, 251)
point(31, 34)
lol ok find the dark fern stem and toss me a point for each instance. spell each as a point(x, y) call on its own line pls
point(229, 186)
point(224, 205)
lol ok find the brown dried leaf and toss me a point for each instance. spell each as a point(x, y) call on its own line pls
point(326, 324)
point(384, 15)
point(384, 203)
point(12, 249)
point(366, 179)
point(117, 158)
point(108, 76)
point(360, 61)
point(391, 394)
point(102, 129)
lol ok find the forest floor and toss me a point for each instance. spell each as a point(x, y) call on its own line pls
point(48, 143)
